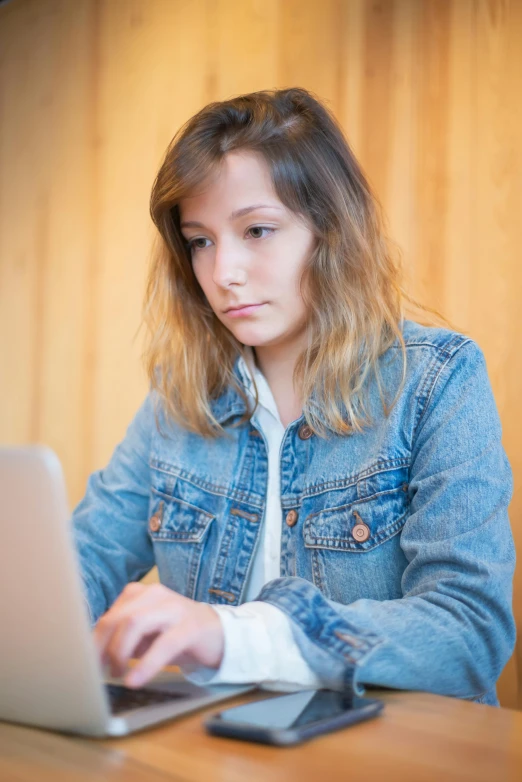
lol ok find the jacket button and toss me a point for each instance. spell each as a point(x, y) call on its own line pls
point(305, 432)
point(291, 518)
point(156, 519)
point(361, 532)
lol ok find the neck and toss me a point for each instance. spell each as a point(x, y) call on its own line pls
point(277, 365)
point(275, 362)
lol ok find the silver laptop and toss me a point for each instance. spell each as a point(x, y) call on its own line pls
point(50, 675)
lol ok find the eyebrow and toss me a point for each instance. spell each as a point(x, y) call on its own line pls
point(238, 213)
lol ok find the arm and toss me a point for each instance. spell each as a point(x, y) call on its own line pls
point(110, 522)
point(453, 630)
point(110, 526)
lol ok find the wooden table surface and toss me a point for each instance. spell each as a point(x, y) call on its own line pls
point(418, 737)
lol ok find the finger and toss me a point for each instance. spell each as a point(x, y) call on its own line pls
point(120, 665)
point(150, 613)
point(166, 649)
point(131, 631)
point(106, 624)
point(143, 645)
point(134, 598)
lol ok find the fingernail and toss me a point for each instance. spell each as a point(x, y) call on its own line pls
point(134, 678)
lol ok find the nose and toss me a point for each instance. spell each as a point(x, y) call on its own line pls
point(229, 265)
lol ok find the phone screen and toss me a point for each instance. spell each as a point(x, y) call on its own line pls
point(295, 710)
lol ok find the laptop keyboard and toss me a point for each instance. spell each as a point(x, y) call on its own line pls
point(126, 699)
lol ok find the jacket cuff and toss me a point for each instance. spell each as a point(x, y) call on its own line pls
point(330, 644)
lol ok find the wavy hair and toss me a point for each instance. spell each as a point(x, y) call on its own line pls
point(351, 284)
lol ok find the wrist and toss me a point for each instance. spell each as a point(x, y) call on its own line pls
point(210, 646)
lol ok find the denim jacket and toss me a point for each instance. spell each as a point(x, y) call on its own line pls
point(397, 556)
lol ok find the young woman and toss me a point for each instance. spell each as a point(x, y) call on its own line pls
point(320, 481)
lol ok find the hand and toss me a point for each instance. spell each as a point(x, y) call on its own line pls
point(161, 627)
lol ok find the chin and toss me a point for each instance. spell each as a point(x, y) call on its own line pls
point(254, 340)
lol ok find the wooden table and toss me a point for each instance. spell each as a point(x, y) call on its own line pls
point(419, 737)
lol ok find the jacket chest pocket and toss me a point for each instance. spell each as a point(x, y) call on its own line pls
point(369, 528)
point(178, 531)
point(360, 526)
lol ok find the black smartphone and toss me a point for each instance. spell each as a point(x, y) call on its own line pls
point(293, 718)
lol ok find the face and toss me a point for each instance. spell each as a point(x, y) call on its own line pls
point(248, 252)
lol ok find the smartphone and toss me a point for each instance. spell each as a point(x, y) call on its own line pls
point(294, 718)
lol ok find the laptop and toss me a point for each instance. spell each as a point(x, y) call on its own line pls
point(50, 674)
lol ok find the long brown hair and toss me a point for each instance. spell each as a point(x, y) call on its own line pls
point(351, 284)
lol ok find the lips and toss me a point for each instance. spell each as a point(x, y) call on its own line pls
point(241, 306)
point(243, 309)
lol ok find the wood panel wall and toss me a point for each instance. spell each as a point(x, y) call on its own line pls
point(92, 91)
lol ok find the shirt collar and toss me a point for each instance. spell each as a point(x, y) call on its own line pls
point(247, 369)
point(251, 373)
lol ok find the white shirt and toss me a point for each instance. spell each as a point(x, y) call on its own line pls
point(259, 645)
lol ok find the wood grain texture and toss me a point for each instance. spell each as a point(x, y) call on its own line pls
point(27, 754)
point(91, 92)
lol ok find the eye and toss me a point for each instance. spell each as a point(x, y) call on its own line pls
point(192, 246)
point(260, 228)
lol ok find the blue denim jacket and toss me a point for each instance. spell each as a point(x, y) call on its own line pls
point(417, 597)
